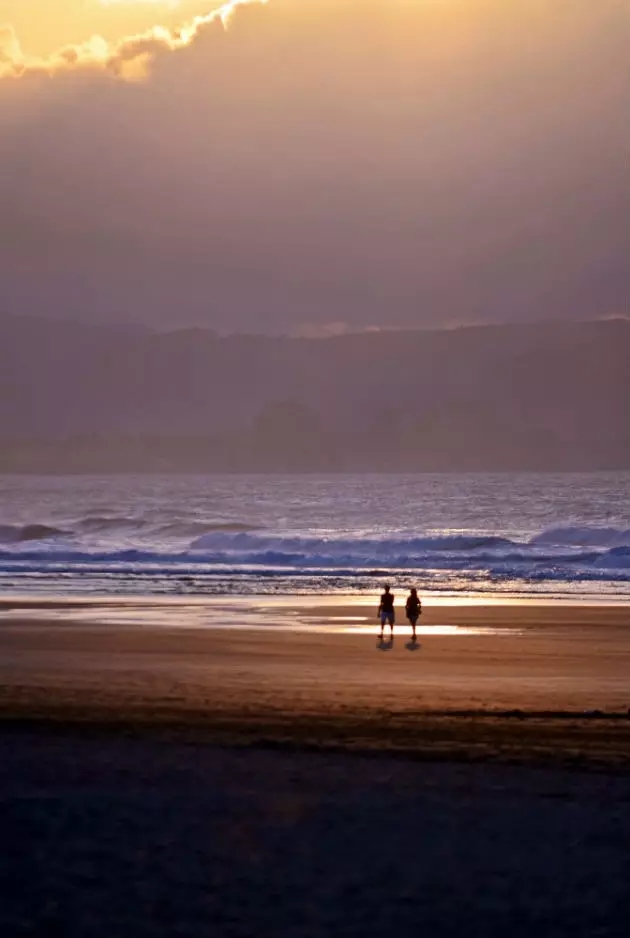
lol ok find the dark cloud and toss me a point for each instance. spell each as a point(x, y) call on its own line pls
point(358, 163)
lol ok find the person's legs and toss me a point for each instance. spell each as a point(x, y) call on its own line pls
point(413, 621)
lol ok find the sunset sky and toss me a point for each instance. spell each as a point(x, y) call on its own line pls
point(314, 164)
point(44, 26)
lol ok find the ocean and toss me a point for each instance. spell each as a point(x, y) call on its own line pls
point(564, 536)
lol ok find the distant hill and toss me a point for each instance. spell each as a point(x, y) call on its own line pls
point(77, 398)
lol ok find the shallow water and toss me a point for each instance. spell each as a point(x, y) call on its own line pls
point(239, 613)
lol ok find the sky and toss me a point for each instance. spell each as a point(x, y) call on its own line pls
point(314, 166)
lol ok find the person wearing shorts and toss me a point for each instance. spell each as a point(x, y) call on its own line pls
point(386, 610)
point(413, 609)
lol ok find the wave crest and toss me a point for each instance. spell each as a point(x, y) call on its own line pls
point(582, 536)
point(201, 528)
point(14, 533)
point(222, 539)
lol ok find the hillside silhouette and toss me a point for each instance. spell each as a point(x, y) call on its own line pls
point(79, 398)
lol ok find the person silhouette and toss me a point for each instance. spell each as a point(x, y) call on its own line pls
point(386, 611)
point(413, 609)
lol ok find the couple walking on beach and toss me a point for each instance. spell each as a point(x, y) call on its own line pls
point(413, 609)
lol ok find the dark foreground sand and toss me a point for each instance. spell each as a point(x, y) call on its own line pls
point(108, 837)
point(177, 781)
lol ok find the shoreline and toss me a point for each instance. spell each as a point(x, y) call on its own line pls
point(9, 601)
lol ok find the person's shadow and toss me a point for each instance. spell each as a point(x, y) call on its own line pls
point(413, 645)
point(384, 644)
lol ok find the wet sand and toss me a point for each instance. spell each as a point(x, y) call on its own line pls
point(523, 681)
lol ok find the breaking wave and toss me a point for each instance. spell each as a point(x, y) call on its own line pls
point(199, 528)
point(229, 548)
point(14, 533)
point(582, 536)
point(245, 541)
point(110, 524)
point(102, 524)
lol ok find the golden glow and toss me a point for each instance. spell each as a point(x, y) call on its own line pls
point(43, 26)
point(128, 58)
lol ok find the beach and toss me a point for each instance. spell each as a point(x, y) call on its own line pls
point(521, 681)
point(261, 768)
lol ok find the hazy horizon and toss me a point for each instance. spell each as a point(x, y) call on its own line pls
point(532, 396)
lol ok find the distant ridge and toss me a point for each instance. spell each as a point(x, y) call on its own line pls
point(119, 398)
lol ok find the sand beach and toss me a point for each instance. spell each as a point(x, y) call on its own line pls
point(244, 768)
point(306, 670)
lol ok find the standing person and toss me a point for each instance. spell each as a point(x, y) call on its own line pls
point(386, 611)
point(413, 608)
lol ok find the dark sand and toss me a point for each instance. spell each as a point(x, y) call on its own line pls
point(106, 837)
point(185, 781)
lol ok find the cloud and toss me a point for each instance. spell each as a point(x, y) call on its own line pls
point(10, 51)
point(360, 162)
point(128, 58)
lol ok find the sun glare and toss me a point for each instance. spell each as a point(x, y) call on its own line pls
point(120, 3)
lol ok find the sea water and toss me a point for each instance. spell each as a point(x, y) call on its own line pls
point(505, 535)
